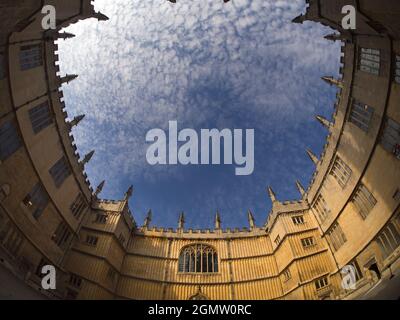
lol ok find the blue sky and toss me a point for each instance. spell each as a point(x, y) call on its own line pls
point(206, 65)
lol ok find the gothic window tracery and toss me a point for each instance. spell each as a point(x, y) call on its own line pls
point(198, 258)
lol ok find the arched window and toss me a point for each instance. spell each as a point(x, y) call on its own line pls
point(198, 258)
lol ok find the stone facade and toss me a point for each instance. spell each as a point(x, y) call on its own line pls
point(349, 214)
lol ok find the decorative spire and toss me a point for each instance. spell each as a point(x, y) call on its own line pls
point(181, 221)
point(299, 19)
point(333, 82)
point(99, 188)
point(87, 157)
point(54, 35)
point(75, 121)
point(251, 219)
point(64, 35)
point(300, 188)
point(272, 195)
point(129, 193)
point(217, 220)
point(334, 37)
point(100, 16)
point(68, 78)
point(312, 156)
point(325, 122)
point(147, 220)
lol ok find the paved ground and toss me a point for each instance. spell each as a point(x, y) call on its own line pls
point(388, 289)
point(12, 288)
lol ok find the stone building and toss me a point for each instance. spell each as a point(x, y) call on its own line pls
point(348, 215)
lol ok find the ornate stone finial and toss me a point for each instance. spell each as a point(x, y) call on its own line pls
point(325, 122)
point(217, 220)
point(100, 16)
point(129, 193)
point(300, 188)
point(87, 158)
point(68, 78)
point(272, 195)
point(312, 156)
point(99, 188)
point(75, 121)
point(251, 219)
point(299, 19)
point(148, 218)
point(181, 221)
point(334, 37)
point(54, 35)
point(64, 35)
point(333, 82)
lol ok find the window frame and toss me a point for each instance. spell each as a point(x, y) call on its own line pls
point(369, 61)
point(196, 266)
point(40, 117)
point(60, 171)
point(10, 140)
point(31, 56)
point(361, 115)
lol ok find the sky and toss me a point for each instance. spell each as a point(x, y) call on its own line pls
point(205, 64)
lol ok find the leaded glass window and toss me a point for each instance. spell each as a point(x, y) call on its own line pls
point(198, 258)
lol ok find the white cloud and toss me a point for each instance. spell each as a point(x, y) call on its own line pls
point(197, 62)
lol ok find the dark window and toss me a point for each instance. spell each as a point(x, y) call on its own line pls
point(121, 239)
point(40, 117)
point(321, 207)
point(277, 240)
point(361, 115)
point(30, 56)
point(10, 237)
point(62, 234)
point(37, 200)
point(370, 61)
point(101, 218)
point(341, 172)
point(198, 258)
point(298, 220)
point(357, 270)
point(321, 283)
point(336, 236)
point(364, 200)
point(388, 240)
point(75, 281)
point(396, 195)
point(287, 275)
point(91, 240)
point(111, 274)
point(78, 206)
point(10, 140)
point(390, 139)
point(60, 171)
point(308, 242)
